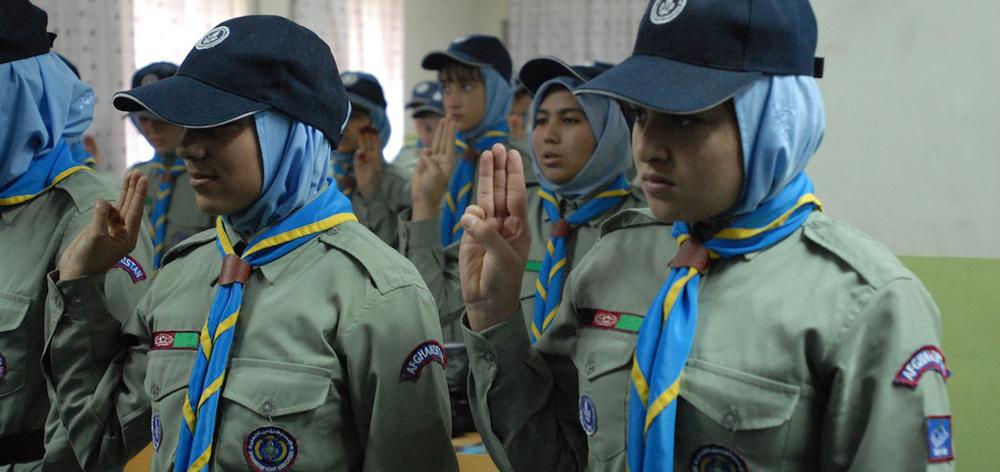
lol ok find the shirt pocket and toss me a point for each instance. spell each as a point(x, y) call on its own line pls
point(745, 413)
point(13, 342)
point(286, 406)
point(168, 373)
point(603, 359)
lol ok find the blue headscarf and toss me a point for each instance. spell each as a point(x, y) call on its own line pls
point(782, 121)
point(499, 94)
point(42, 103)
point(295, 158)
point(613, 153)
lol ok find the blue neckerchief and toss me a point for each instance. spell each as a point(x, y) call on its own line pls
point(668, 329)
point(198, 427)
point(460, 186)
point(555, 266)
point(164, 194)
point(44, 173)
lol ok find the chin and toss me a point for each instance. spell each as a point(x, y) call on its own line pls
point(663, 211)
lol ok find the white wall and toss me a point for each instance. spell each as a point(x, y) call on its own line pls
point(912, 150)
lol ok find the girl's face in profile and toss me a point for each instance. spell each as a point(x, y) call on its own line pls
point(224, 166)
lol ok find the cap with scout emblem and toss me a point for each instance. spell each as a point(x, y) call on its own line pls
point(539, 70)
point(476, 50)
point(690, 56)
point(152, 73)
point(244, 66)
point(426, 97)
point(363, 88)
point(23, 31)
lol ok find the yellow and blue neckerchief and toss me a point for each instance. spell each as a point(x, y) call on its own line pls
point(168, 176)
point(194, 446)
point(459, 193)
point(43, 174)
point(668, 329)
point(552, 274)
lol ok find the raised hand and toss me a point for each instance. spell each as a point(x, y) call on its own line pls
point(433, 171)
point(495, 244)
point(110, 236)
point(368, 162)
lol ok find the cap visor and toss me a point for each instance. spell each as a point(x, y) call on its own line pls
point(187, 102)
point(666, 85)
point(424, 109)
point(537, 71)
point(438, 60)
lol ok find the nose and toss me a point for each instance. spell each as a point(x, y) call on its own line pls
point(190, 147)
point(646, 146)
point(550, 132)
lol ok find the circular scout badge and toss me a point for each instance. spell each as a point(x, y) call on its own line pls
point(212, 38)
point(270, 449)
point(156, 428)
point(423, 87)
point(148, 79)
point(715, 458)
point(588, 415)
point(349, 79)
point(3, 366)
point(664, 11)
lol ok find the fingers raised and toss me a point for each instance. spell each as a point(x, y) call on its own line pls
point(516, 191)
point(500, 180)
point(484, 188)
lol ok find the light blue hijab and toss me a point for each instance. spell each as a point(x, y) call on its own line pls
point(613, 153)
point(41, 103)
point(295, 158)
point(781, 120)
point(499, 94)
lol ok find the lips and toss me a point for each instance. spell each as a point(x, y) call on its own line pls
point(550, 159)
point(653, 183)
point(201, 179)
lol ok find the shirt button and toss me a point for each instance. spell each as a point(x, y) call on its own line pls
point(77, 300)
point(731, 418)
point(155, 390)
point(267, 408)
point(489, 357)
point(590, 367)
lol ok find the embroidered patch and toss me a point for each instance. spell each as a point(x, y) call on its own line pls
point(148, 79)
point(533, 266)
point(156, 429)
point(349, 79)
point(270, 449)
point(3, 366)
point(133, 268)
point(588, 415)
point(187, 340)
point(437, 97)
point(717, 458)
point(212, 38)
point(924, 359)
point(664, 11)
point(423, 87)
point(939, 439)
point(613, 320)
point(420, 357)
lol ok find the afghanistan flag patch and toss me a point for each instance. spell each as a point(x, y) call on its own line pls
point(175, 340)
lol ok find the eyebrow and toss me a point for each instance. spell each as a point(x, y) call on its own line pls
point(561, 111)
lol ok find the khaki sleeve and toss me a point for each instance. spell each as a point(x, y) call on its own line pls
point(524, 399)
point(379, 213)
point(420, 242)
point(95, 368)
point(398, 393)
point(872, 419)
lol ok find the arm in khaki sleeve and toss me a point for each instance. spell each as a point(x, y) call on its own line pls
point(524, 398)
point(420, 242)
point(96, 367)
point(399, 421)
point(870, 421)
point(379, 212)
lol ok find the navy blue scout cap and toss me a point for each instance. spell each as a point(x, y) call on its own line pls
point(23, 31)
point(363, 88)
point(426, 97)
point(692, 55)
point(477, 50)
point(539, 70)
point(246, 65)
point(152, 73)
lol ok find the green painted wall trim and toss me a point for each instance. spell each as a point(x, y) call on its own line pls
point(968, 293)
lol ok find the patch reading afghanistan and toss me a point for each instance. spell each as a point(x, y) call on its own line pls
point(420, 357)
point(924, 359)
point(133, 268)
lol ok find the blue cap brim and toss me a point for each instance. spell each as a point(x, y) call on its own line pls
point(438, 60)
point(537, 71)
point(416, 110)
point(668, 86)
point(186, 102)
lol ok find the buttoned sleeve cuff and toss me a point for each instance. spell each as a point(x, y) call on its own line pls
point(497, 349)
point(80, 297)
point(418, 234)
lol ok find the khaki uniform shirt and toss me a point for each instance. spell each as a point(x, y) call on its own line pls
point(793, 366)
point(379, 212)
point(184, 219)
point(33, 236)
point(326, 349)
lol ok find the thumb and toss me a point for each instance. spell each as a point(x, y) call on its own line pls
point(486, 235)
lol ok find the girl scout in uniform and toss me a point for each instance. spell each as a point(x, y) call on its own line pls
point(475, 75)
point(426, 109)
point(288, 335)
point(377, 191)
point(170, 205)
point(771, 338)
point(46, 197)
